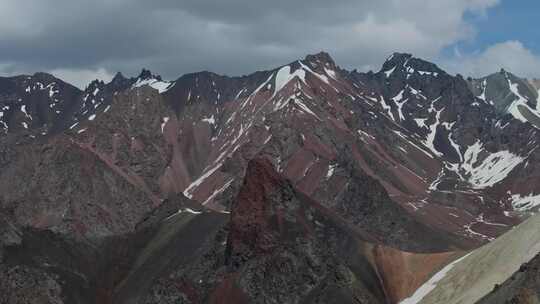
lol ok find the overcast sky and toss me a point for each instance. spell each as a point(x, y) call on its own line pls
point(81, 40)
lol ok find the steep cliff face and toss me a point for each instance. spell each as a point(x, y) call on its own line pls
point(272, 223)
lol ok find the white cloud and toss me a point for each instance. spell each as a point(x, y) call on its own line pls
point(231, 37)
point(513, 56)
point(82, 77)
point(362, 34)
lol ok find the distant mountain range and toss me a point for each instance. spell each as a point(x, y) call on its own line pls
point(307, 183)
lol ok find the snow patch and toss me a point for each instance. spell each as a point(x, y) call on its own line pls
point(417, 92)
point(435, 74)
point(23, 109)
point(52, 91)
point(421, 122)
point(525, 203)
point(430, 140)
point(189, 210)
point(436, 182)
point(284, 76)
point(363, 133)
point(331, 169)
point(239, 93)
point(73, 125)
point(323, 78)
point(268, 139)
point(160, 86)
point(188, 191)
point(397, 99)
point(210, 120)
point(256, 92)
point(484, 89)
point(455, 146)
point(520, 101)
point(423, 150)
point(164, 123)
point(538, 101)
point(389, 72)
point(305, 108)
point(399, 96)
point(184, 210)
point(330, 73)
point(400, 109)
point(387, 108)
point(493, 169)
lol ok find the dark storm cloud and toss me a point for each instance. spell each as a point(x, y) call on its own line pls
point(80, 39)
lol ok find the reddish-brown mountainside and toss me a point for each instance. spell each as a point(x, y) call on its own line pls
point(306, 183)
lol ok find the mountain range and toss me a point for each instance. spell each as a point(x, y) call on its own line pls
point(308, 183)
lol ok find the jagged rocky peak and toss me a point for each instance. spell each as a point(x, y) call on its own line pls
point(42, 76)
point(507, 75)
point(199, 78)
point(38, 81)
point(397, 59)
point(146, 78)
point(405, 64)
point(321, 58)
point(120, 82)
point(118, 77)
point(506, 78)
point(505, 91)
point(147, 74)
point(96, 83)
